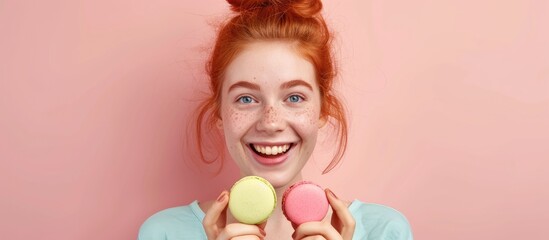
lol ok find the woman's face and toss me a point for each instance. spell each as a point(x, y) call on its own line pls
point(270, 111)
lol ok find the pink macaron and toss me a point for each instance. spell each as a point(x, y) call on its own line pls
point(304, 202)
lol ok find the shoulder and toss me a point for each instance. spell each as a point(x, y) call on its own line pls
point(376, 221)
point(183, 222)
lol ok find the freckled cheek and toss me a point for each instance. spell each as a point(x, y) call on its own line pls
point(237, 121)
point(307, 119)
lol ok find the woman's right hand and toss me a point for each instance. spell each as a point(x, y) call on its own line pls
point(217, 229)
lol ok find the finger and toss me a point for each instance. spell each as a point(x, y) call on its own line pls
point(316, 228)
point(341, 215)
point(247, 237)
point(313, 238)
point(234, 230)
point(212, 215)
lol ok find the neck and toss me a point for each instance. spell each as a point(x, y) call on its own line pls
point(278, 225)
point(280, 189)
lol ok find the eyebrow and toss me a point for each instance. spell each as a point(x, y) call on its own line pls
point(286, 85)
point(244, 84)
point(297, 82)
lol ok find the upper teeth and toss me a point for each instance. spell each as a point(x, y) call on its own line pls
point(271, 150)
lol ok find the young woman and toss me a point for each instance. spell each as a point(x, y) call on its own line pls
point(271, 73)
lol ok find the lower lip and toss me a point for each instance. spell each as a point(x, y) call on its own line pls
point(270, 160)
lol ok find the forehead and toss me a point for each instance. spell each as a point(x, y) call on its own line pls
point(269, 63)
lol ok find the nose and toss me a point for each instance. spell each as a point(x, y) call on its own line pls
point(271, 120)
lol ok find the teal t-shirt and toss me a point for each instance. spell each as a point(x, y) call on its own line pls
point(373, 222)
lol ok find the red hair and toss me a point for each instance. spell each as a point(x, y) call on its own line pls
point(296, 21)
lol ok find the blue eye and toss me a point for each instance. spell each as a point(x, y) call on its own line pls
point(245, 99)
point(295, 98)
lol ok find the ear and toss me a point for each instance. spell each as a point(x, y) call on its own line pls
point(322, 121)
point(219, 123)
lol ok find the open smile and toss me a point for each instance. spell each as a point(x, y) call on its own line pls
point(270, 154)
point(270, 150)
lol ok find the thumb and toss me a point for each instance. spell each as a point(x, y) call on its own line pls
point(211, 218)
point(342, 219)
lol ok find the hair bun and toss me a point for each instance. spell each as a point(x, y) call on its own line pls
point(303, 8)
point(306, 8)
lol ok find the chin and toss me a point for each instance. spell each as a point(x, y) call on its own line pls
point(280, 175)
point(279, 179)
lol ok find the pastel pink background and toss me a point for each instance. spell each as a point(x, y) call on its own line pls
point(448, 102)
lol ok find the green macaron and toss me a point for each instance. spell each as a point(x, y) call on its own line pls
point(252, 200)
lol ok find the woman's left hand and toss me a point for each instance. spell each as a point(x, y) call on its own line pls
point(341, 226)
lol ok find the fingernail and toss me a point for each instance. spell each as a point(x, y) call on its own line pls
point(221, 197)
point(333, 194)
